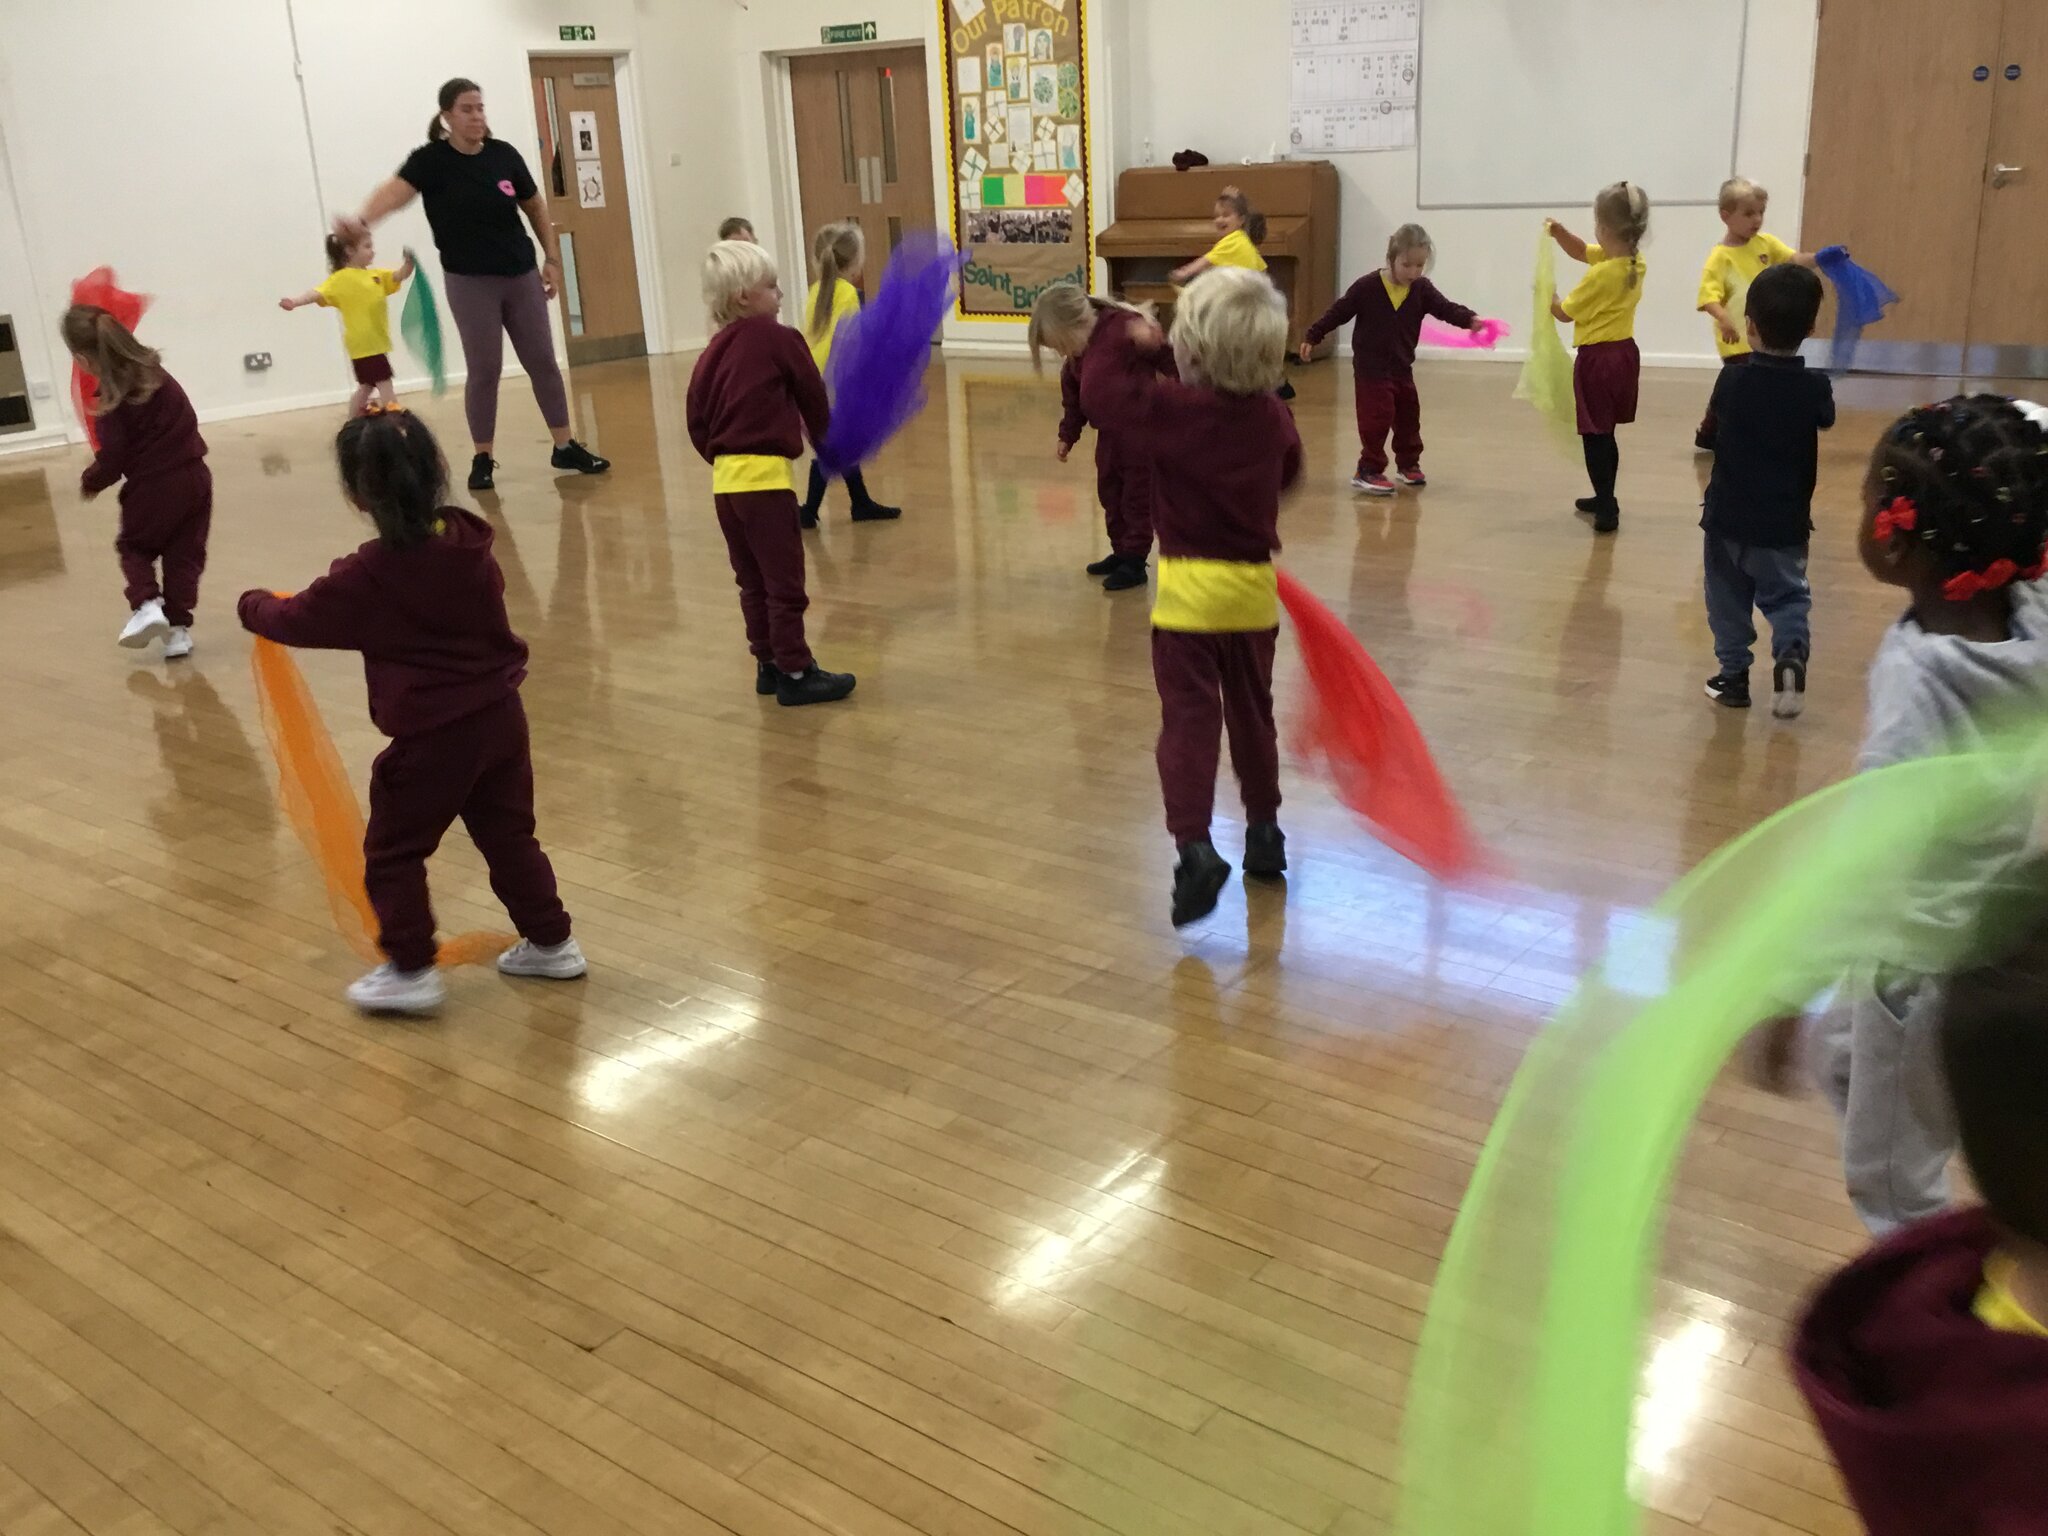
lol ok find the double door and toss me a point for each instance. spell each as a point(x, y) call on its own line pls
point(863, 146)
point(1928, 158)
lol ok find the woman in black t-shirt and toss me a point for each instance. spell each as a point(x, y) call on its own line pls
point(475, 188)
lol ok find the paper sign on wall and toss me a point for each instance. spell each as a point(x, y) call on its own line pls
point(583, 135)
point(589, 184)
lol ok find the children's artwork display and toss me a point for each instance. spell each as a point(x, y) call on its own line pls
point(1354, 65)
point(1017, 153)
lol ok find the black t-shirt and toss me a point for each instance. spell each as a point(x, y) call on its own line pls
point(472, 204)
point(1768, 417)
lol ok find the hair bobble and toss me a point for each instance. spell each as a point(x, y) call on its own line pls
point(1960, 589)
point(378, 408)
point(1899, 515)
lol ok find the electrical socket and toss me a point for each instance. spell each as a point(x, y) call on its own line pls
point(255, 362)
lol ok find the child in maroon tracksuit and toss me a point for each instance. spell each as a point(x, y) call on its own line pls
point(1084, 331)
point(753, 395)
point(425, 603)
point(1388, 305)
point(149, 436)
point(1925, 1362)
point(1222, 449)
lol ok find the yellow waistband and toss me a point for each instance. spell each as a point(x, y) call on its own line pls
point(732, 472)
point(1998, 1307)
point(1215, 596)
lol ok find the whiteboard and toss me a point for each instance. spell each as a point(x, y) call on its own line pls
point(1540, 103)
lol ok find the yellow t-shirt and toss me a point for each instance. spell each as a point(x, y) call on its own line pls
point(845, 301)
point(358, 294)
point(1397, 293)
point(1603, 306)
point(1729, 271)
point(1998, 1308)
point(1236, 250)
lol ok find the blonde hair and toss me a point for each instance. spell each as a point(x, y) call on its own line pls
point(731, 268)
point(127, 371)
point(1409, 237)
point(1623, 210)
point(1737, 190)
point(1231, 324)
point(836, 250)
point(1060, 310)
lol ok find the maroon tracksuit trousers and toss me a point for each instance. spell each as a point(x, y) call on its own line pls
point(1124, 483)
point(165, 518)
point(1210, 683)
point(766, 546)
point(479, 768)
point(1382, 403)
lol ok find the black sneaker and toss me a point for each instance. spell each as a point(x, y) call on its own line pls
point(1265, 850)
point(1285, 391)
point(1729, 689)
point(1607, 519)
point(765, 678)
point(1106, 564)
point(573, 455)
point(1788, 682)
point(480, 469)
point(1197, 881)
point(1124, 575)
point(807, 518)
point(813, 685)
point(875, 512)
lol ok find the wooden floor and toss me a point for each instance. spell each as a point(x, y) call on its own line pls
point(898, 1168)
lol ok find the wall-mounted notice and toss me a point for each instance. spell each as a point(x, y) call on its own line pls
point(583, 134)
point(589, 184)
point(1018, 151)
point(1354, 68)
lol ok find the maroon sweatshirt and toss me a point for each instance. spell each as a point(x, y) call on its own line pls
point(430, 622)
point(145, 438)
point(756, 390)
point(1220, 463)
point(1939, 1422)
point(1111, 323)
point(1383, 340)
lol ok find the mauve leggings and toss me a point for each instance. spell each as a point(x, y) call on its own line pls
point(487, 310)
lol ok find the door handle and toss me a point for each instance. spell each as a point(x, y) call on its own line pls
point(2000, 174)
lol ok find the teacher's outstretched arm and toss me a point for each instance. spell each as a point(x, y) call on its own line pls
point(536, 210)
point(389, 197)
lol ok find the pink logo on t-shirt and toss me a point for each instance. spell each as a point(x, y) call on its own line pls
point(508, 189)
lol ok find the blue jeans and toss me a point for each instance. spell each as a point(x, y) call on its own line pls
point(1742, 577)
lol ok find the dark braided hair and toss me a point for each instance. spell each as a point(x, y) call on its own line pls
point(1966, 481)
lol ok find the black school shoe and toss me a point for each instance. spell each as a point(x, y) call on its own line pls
point(765, 678)
point(1106, 564)
point(1607, 519)
point(807, 518)
point(1124, 575)
point(573, 455)
point(813, 685)
point(1730, 690)
point(1587, 504)
point(1265, 850)
point(480, 469)
point(1197, 882)
point(875, 512)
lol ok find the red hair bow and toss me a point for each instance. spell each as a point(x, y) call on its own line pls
point(1960, 589)
point(1899, 515)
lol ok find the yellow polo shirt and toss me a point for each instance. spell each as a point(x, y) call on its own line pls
point(1998, 1308)
point(357, 294)
point(1603, 306)
point(1397, 293)
point(1236, 250)
point(845, 301)
point(1726, 277)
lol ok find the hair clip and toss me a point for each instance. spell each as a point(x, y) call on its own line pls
point(1890, 476)
point(1899, 515)
point(378, 408)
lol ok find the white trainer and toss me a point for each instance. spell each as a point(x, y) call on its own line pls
point(555, 962)
point(145, 624)
point(387, 989)
point(178, 643)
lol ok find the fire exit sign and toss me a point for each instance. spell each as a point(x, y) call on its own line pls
point(848, 32)
point(578, 34)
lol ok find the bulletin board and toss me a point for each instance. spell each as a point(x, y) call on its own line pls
point(1017, 150)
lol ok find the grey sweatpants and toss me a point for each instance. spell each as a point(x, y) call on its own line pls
point(486, 311)
point(1880, 1066)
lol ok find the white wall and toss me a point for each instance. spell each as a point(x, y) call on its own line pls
point(1186, 89)
point(207, 179)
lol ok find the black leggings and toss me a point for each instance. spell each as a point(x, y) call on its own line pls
point(1603, 462)
point(856, 487)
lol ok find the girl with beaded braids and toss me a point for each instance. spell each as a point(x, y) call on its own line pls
point(1957, 515)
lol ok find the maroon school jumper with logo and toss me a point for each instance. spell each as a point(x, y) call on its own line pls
point(443, 669)
point(167, 503)
point(1123, 474)
point(756, 390)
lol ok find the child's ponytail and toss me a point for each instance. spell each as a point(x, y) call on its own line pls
point(836, 251)
point(127, 371)
point(392, 468)
point(1623, 210)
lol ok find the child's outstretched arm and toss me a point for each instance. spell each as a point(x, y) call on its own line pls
point(1346, 308)
point(1567, 242)
point(1193, 270)
point(320, 618)
point(1437, 305)
point(300, 300)
point(1723, 321)
point(407, 267)
point(1558, 311)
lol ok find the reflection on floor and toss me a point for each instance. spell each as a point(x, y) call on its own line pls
point(898, 1168)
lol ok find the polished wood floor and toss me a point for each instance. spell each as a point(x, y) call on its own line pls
point(898, 1168)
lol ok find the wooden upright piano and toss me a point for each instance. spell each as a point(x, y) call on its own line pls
point(1163, 221)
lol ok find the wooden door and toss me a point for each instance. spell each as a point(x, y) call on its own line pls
point(1899, 127)
point(863, 146)
point(582, 170)
point(2008, 298)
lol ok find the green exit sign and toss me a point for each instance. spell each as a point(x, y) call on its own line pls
point(848, 32)
point(578, 34)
